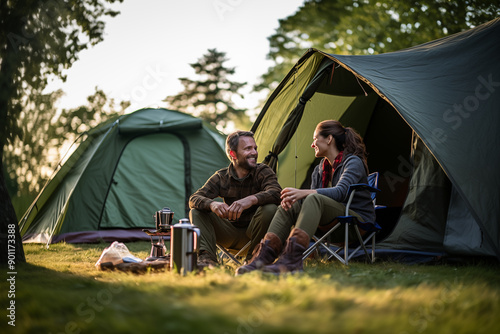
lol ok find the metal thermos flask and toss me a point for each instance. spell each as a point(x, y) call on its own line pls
point(184, 246)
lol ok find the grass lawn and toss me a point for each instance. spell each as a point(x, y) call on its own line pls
point(59, 290)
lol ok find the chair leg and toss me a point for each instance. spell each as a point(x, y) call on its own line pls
point(333, 253)
point(347, 255)
point(241, 251)
point(373, 248)
point(362, 243)
point(230, 256)
point(346, 245)
point(318, 242)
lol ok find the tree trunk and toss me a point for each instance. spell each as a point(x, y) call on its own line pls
point(11, 245)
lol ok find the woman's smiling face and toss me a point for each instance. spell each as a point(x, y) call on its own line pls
point(319, 144)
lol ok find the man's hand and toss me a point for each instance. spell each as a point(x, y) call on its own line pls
point(233, 212)
point(219, 208)
point(237, 207)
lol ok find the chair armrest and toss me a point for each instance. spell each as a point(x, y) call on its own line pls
point(361, 186)
point(352, 189)
point(369, 226)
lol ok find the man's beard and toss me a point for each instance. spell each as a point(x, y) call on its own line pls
point(243, 163)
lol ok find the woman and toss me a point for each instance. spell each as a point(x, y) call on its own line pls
point(343, 164)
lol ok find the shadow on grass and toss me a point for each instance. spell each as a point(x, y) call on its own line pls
point(60, 291)
point(50, 301)
point(389, 274)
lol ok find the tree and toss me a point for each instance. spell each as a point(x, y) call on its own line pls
point(25, 156)
point(73, 122)
point(38, 39)
point(368, 27)
point(210, 98)
point(47, 135)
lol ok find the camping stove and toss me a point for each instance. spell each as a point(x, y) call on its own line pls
point(163, 220)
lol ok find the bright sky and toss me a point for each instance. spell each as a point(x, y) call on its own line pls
point(151, 43)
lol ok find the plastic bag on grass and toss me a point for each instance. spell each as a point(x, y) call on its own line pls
point(115, 254)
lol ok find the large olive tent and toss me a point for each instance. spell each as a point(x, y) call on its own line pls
point(121, 174)
point(430, 118)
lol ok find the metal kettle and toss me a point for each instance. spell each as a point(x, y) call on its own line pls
point(163, 219)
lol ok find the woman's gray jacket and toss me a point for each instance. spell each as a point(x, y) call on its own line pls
point(350, 171)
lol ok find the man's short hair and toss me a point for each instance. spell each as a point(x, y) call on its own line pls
point(233, 140)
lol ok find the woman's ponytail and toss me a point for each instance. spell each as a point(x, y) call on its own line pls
point(354, 145)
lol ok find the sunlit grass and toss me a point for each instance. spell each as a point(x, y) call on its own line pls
point(59, 290)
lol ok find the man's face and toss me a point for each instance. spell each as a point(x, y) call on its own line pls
point(246, 154)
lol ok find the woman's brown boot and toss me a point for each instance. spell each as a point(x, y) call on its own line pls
point(264, 253)
point(291, 259)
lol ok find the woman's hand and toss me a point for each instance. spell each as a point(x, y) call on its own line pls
point(291, 195)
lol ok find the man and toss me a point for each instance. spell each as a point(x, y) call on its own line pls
point(250, 193)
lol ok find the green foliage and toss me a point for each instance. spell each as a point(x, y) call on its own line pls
point(368, 27)
point(60, 290)
point(24, 158)
point(38, 39)
point(48, 134)
point(210, 97)
point(99, 109)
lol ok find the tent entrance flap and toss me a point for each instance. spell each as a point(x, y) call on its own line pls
point(421, 226)
point(463, 234)
point(145, 165)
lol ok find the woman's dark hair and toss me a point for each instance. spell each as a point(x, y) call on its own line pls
point(233, 140)
point(347, 139)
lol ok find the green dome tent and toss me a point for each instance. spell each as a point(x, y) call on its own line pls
point(430, 118)
point(122, 172)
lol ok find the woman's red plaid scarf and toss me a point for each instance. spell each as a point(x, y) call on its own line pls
point(328, 169)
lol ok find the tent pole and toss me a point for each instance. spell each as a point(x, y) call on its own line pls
point(49, 241)
point(295, 134)
point(56, 169)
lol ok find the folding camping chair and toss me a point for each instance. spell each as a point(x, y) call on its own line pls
point(232, 254)
point(348, 222)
